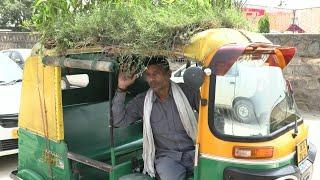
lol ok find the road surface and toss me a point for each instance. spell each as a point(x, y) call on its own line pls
point(7, 164)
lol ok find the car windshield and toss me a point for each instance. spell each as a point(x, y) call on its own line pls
point(9, 70)
point(252, 100)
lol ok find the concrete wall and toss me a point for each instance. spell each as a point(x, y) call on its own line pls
point(308, 45)
point(304, 70)
point(17, 40)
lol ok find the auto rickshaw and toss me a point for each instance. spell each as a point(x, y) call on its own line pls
point(66, 129)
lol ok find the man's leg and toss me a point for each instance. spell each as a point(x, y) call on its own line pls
point(187, 160)
point(169, 169)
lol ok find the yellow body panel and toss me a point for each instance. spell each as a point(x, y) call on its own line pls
point(211, 145)
point(41, 109)
point(203, 47)
point(208, 42)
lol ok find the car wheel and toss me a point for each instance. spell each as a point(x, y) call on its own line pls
point(243, 111)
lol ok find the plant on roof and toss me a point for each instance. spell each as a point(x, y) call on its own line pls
point(133, 26)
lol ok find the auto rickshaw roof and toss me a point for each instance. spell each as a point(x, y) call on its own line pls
point(208, 42)
point(202, 47)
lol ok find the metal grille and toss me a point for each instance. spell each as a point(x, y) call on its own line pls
point(8, 144)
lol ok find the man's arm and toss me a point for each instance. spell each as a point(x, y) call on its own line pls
point(124, 115)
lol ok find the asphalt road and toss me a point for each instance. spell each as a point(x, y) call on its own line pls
point(9, 163)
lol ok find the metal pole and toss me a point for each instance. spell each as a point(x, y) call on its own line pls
point(111, 138)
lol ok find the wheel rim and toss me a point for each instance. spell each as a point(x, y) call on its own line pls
point(243, 112)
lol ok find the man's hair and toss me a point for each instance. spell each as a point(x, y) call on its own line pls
point(158, 60)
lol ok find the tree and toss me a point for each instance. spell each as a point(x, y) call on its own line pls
point(239, 4)
point(263, 24)
point(222, 4)
point(14, 12)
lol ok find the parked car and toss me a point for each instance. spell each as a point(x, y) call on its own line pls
point(17, 55)
point(10, 90)
point(238, 89)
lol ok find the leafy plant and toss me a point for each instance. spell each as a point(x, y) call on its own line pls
point(136, 26)
point(263, 24)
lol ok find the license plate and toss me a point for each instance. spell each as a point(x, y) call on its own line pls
point(14, 133)
point(302, 151)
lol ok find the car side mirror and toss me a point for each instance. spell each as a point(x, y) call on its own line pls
point(193, 77)
point(17, 60)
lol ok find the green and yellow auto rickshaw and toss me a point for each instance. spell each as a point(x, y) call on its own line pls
point(248, 124)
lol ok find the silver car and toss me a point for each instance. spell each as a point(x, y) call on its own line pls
point(17, 55)
point(10, 90)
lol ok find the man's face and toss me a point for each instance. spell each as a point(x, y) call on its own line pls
point(157, 77)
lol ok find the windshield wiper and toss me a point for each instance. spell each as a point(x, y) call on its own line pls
point(292, 104)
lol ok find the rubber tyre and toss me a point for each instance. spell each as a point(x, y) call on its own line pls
point(243, 111)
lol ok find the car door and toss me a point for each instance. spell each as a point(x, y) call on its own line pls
point(225, 87)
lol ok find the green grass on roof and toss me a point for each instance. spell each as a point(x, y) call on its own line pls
point(138, 26)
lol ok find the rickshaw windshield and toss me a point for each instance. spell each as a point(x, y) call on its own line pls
point(252, 100)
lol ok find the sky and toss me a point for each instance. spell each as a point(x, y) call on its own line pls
point(286, 4)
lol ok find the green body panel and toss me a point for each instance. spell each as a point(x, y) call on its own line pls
point(29, 174)
point(213, 169)
point(86, 124)
point(86, 131)
point(34, 165)
point(34, 160)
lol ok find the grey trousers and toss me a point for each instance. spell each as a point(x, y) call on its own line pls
point(171, 169)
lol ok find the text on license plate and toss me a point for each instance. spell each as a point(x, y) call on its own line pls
point(302, 151)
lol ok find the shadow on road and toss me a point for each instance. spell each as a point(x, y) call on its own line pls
point(7, 164)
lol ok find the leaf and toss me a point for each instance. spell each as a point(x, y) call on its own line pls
point(38, 2)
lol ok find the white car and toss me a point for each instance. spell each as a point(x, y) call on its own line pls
point(10, 91)
point(243, 86)
point(17, 55)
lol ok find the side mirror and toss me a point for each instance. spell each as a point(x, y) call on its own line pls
point(193, 77)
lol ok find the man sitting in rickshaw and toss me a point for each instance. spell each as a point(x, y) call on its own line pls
point(169, 122)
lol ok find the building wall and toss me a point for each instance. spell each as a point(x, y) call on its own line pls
point(281, 19)
point(304, 70)
point(17, 40)
point(309, 20)
point(308, 45)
